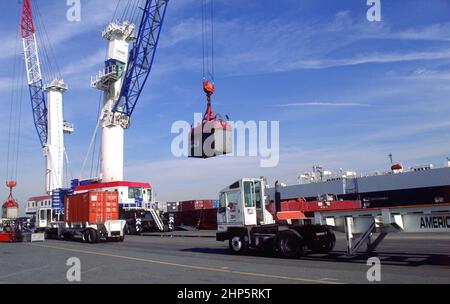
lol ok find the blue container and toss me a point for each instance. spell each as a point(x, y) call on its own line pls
point(216, 204)
point(88, 182)
point(58, 196)
point(75, 183)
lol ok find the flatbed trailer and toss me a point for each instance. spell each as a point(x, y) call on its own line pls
point(90, 217)
point(245, 222)
point(370, 227)
point(110, 231)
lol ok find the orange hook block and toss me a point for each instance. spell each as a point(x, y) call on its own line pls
point(208, 87)
point(11, 184)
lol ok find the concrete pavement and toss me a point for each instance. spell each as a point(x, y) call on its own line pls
point(140, 259)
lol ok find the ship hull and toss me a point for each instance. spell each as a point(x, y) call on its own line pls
point(404, 197)
point(384, 190)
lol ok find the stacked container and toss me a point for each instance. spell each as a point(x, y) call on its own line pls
point(315, 206)
point(205, 219)
point(195, 205)
point(173, 207)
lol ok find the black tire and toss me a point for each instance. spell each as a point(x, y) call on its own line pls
point(86, 236)
point(324, 245)
point(121, 239)
point(290, 245)
point(93, 236)
point(268, 247)
point(51, 234)
point(68, 236)
point(131, 230)
point(239, 243)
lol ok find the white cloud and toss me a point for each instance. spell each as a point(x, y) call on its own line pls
point(95, 15)
point(324, 104)
point(425, 74)
point(5, 83)
point(85, 64)
point(432, 32)
point(292, 45)
point(404, 131)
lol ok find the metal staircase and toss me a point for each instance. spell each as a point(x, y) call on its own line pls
point(157, 219)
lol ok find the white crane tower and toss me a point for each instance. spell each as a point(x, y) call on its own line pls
point(54, 150)
point(109, 81)
point(47, 105)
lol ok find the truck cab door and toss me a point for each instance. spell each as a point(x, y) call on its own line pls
point(230, 211)
point(42, 220)
point(249, 203)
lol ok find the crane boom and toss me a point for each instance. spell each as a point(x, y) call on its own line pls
point(141, 56)
point(33, 66)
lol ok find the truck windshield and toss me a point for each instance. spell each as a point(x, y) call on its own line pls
point(258, 197)
point(231, 199)
point(134, 193)
point(149, 195)
point(223, 200)
point(249, 194)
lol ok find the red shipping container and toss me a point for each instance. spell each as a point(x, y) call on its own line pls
point(315, 206)
point(196, 205)
point(92, 207)
point(330, 206)
point(205, 219)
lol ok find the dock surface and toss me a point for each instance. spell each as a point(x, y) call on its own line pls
point(202, 260)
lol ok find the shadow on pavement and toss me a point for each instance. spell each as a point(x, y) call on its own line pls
point(387, 258)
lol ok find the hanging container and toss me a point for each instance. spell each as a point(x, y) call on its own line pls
point(10, 209)
point(214, 136)
point(211, 139)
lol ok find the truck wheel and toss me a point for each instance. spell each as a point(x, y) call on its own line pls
point(93, 236)
point(239, 244)
point(86, 236)
point(131, 230)
point(325, 245)
point(291, 245)
point(68, 236)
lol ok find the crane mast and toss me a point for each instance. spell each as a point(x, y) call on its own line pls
point(109, 81)
point(47, 112)
point(34, 74)
point(141, 57)
point(123, 80)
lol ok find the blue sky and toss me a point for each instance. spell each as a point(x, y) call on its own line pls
point(347, 92)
